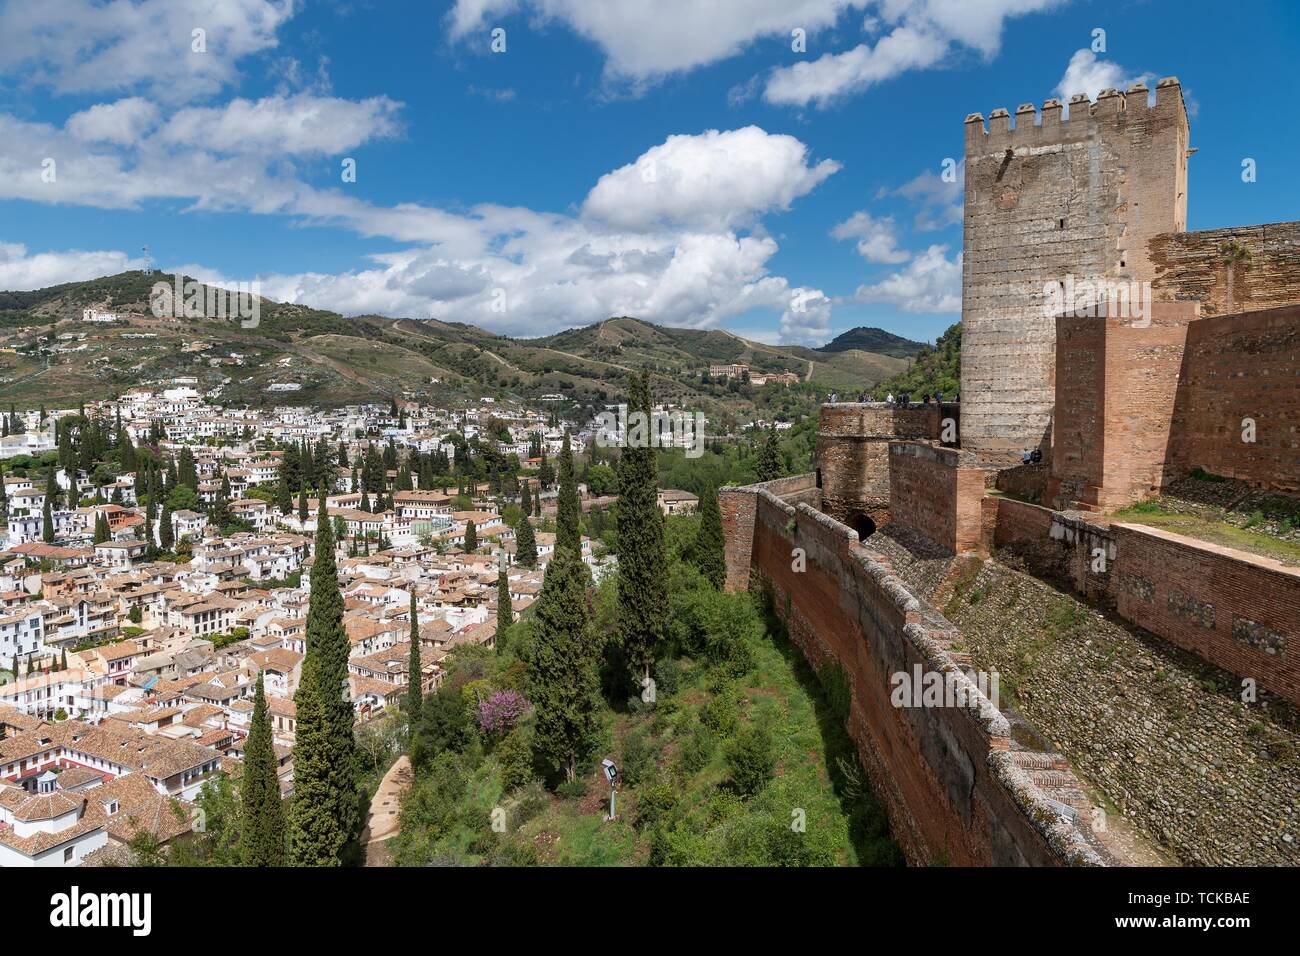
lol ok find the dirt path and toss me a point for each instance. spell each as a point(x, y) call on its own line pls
point(381, 825)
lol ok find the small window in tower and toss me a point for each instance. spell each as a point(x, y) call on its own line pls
point(1060, 224)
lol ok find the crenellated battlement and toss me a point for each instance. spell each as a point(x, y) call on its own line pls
point(1032, 127)
point(1078, 188)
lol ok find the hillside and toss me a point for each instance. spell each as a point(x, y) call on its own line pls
point(873, 340)
point(46, 350)
point(935, 368)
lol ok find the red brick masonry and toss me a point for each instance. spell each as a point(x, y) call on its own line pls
point(945, 775)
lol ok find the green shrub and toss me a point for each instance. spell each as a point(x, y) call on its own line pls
point(655, 802)
point(697, 749)
point(515, 754)
point(531, 802)
point(722, 712)
point(668, 677)
point(750, 759)
point(572, 789)
point(639, 755)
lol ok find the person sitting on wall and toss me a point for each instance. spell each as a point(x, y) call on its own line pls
point(925, 399)
point(938, 397)
point(889, 399)
point(1036, 456)
point(1025, 456)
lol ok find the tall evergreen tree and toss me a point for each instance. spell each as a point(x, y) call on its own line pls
point(325, 814)
point(562, 669)
point(709, 550)
point(769, 458)
point(54, 494)
point(47, 523)
point(166, 533)
point(414, 692)
point(505, 609)
point(4, 496)
point(221, 503)
point(186, 473)
point(261, 812)
point(302, 504)
point(567, 510)
point(283, 496)
point(471, 536)
point(642, 554)
point(526, 545)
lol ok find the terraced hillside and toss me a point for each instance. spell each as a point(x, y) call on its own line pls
point(46, 350)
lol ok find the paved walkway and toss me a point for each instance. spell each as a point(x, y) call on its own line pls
point(382, 823)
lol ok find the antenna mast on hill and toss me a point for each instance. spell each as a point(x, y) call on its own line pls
point(147, 261)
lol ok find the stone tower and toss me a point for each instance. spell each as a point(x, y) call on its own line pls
point(1048, 199)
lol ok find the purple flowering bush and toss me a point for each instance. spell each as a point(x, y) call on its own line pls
point(500, 711)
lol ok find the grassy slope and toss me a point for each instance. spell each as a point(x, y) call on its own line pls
point(844, 826)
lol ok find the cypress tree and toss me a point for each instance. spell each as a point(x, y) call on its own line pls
point(563, 676)
point(261, 813)
point(221, 505)
point(325, 813)
point(642, 554)
point(709, 552)
point(47, 523)
point(567, 509)
point(302, 504)
point(4, 495)
point(471, 536)
point(53, 493)
point(414, 692)
point(166, 534)
point(186, 473)
point(283, 497)
point(769, 458)
point(505, 610)
point(526, 502)
point(526, 545)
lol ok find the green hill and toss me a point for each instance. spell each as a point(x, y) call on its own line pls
point(935, 368)
point(46, 350)
point(873, 340)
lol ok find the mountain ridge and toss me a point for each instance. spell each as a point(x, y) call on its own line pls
point(317, 356)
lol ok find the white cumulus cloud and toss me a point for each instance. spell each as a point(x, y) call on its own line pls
point(85, 46)
point(21, 270)
point(877, 238)
point(715, 180)
point(1086, 73)
point(920, 34)
point(645, 41)
point(930, 283)
point(298, 125)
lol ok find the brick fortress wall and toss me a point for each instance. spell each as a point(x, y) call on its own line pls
point(937, 491)
point(1239, 367)
point(852, 454)
point(1048, 198)
point(1116, 392)
point(945, 775)
point(1235, 610)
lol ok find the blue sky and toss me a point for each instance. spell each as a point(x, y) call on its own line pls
point(676, 160)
